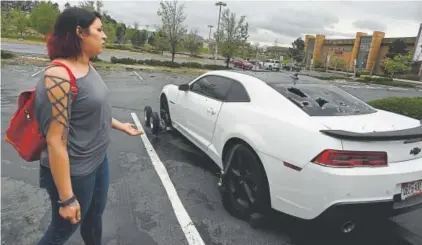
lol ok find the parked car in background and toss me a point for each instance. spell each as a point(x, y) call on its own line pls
point(243, 64)
point(291, 67)
point(272, 64)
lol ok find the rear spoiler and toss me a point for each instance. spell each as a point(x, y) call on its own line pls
point(404, 134)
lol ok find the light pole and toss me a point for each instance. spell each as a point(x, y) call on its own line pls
point(209, 37)
point(220, 4)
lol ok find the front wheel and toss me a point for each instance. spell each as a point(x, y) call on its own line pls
point(245, 190)
point(155, 123)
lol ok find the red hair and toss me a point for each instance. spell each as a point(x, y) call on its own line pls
point(68, 46)
point(64, 42)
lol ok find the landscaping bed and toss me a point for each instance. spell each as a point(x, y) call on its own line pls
point(408, 106)
point(383, 81)
point(170, 64)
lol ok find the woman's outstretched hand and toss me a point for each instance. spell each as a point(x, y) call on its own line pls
point(130, 129)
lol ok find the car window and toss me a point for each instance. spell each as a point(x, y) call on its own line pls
point(323, 100)
point(237, 93)
point(215, 87)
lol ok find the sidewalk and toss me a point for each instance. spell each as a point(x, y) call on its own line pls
point(395, 79)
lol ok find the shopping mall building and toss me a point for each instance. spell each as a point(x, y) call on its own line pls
point(368, 50)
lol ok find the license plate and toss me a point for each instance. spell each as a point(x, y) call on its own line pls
point(411, 189)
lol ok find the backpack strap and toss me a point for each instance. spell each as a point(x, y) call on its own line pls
point(73, 87)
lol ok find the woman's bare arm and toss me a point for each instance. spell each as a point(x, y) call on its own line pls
point(116, 124)
point(57, 83)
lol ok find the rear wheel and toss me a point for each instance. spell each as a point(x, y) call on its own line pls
point(147, 115)
point(245, 189)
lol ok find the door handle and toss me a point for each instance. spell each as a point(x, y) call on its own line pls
point(211, 111)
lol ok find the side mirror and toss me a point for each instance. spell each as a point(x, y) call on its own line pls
point(184, 87)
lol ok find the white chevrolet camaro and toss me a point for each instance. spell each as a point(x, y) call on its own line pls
point(298, 145)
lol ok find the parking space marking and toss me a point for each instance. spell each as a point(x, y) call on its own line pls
point(191, 233)
point(36, 73)
point(138, 75)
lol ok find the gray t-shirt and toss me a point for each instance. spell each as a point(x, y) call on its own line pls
point(90, 122)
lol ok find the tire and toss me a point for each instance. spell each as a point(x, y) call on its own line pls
point(155, 123)
point(247, 172)
point(147, 115)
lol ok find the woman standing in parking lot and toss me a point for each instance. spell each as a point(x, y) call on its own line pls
point(74, 166)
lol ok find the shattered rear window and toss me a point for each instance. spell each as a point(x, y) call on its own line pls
point(323, 99)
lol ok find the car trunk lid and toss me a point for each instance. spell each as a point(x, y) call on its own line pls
point(399, 136)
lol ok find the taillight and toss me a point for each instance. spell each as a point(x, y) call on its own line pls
point(350, 159)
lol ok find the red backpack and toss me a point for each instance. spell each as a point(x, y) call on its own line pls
point(24, 133)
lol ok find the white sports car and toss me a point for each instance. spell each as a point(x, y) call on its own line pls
point(300, 146)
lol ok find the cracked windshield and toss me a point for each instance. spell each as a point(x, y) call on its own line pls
point(169, 122)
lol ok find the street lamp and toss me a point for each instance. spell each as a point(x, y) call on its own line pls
point(209, 37)
point(220, 4)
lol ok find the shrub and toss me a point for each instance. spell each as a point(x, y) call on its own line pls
point(6, 54)
point(384, 81)
point(153, 62)
point(215, 67)
point(126, 61)
point(171, 64)
point(96, 59)
point(408, 106)
point(166, 63)
point(192, 65)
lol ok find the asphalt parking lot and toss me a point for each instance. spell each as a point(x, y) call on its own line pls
point(139, 210)
point(40, 49)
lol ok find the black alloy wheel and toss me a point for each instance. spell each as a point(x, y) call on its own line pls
point(245, 192)
point(165, 112)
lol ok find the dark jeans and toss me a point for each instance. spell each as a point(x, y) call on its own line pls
point(91, 192)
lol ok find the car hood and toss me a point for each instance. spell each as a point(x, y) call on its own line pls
point(379, 121)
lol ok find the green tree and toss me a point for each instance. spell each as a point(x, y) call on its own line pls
point(152, 40)
point(130, 32)
point(191, 42)
point(139, 38)
point(232, 35)
point(296, 52)
point(43, 17)
point(398, 46)
point(172, 16)
point(110, 31)
point(25, 6)
point(400, 64)
point(89, 5)
point(6, 15)
point(20, 21)
point(162, 41)
point(120, 33)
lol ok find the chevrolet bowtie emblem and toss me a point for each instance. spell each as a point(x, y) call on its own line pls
point(415, 151)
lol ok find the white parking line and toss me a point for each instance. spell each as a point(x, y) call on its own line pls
point(36, 73)
point(138, 75)
point(188, 227)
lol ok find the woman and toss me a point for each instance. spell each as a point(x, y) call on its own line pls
point(74, 166)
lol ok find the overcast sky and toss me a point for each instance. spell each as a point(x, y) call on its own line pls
point(287, 20)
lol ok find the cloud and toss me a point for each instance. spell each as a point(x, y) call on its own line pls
point(286, 20)
point(372, 25)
